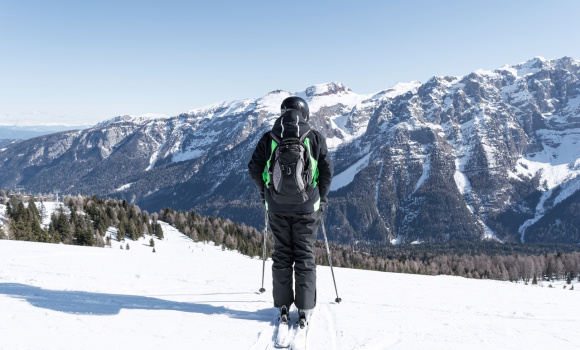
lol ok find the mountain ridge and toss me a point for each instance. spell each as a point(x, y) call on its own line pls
point(469, 157)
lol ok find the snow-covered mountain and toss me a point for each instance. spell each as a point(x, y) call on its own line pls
point(489, 155)
point(189, 295)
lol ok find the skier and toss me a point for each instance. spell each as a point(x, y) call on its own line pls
point(295, 197)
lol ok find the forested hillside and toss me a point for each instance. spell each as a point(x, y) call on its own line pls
point(93, 221)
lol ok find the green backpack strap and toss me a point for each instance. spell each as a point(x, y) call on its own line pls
point(313, 162)
point(266, 174)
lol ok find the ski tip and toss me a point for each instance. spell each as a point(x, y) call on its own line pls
point(262, 290)
point(338, 300)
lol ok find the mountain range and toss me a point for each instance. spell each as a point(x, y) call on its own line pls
point(489, 155)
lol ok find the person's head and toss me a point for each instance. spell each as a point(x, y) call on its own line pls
point(296, 103)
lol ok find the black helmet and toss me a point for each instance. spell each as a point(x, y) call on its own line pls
point(297, 104)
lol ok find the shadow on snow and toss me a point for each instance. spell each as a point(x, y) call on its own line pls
point(78, 302)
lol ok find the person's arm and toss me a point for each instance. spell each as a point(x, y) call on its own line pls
point(325, 169)
point(258, 163)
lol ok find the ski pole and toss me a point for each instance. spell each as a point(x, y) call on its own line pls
point(338, 300)
point(262, 290)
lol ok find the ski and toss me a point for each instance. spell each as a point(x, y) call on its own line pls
point(283, 337)
point(300, 338)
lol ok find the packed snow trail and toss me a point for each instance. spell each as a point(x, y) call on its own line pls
point(190, 295)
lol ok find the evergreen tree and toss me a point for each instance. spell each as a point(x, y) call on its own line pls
point(121, 232)
point(147, 223)
point(36, 232)
point(33, 210)
point(131, 231)
point(53, 235)
point(42, 211)
point(20, 223)
point(8, 210)
point(82, 234)
point(45, 236)
point(157, 230)
point(62, 226)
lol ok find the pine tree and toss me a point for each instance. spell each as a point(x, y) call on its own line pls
point(99, 241)
point(127, 247)
point(45, 236)
point(62, 226)
point(8, 210)
point(35, 230)
point(152, 242)
point(158, 231)
point(121, 232)
point(34, 214)
point(19, 223)
point(147, 223)
point(53, 236)
point(42, 211)
point(131, 231)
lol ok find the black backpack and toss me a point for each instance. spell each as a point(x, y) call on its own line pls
point(291, 170)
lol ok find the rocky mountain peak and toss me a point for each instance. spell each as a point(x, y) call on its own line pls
point(126, 118)
point(333, 88)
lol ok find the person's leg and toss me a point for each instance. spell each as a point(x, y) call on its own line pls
point(283, 258)
point(304, 230)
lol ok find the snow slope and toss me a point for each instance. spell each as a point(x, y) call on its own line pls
point(196, 296)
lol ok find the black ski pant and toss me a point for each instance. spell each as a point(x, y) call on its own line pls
point(294, 236)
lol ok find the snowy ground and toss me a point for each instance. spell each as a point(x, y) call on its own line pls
point(196, 296)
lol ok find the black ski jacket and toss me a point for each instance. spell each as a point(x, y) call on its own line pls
point(292, 124)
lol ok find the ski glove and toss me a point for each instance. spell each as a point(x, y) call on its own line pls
point(322, 205)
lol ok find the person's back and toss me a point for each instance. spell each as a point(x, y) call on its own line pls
point(294, 223)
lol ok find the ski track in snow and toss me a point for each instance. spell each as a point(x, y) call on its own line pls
point(193, 295)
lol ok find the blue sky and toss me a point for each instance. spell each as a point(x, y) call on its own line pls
point(86, 61)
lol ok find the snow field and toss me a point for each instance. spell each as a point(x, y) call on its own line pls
point(191, 295)
point(84, 297)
